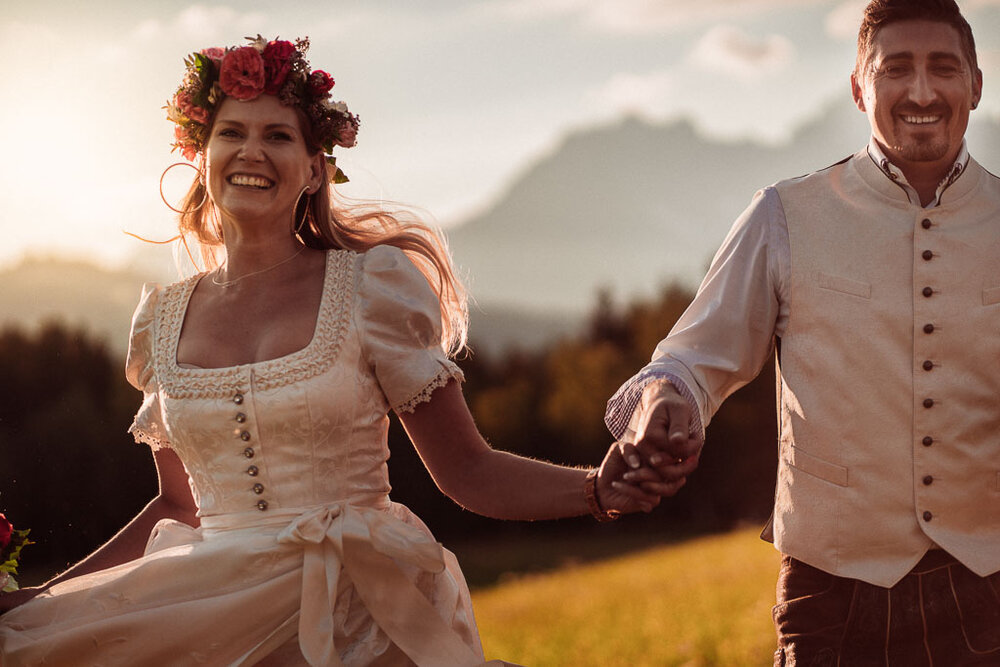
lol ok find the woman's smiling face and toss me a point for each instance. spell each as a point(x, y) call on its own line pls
point(256, 161)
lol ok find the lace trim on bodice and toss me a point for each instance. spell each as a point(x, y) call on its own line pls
point(316, 357)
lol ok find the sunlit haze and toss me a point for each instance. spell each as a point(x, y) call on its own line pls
point(455, 96)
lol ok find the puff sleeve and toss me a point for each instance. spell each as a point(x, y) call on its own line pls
point(399, 321)
point(148, 424)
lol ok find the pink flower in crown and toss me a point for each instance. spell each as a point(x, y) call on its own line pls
point(347, 135)
point(320, 83)
point(6, 530)
point(277, 58)
point(214, 52)
point(242, 73)
point(183, 101)
point(185, 144)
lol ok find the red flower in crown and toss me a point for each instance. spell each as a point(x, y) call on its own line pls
point(319, 83)
point(241, 73)
point(6, 530)
point(277, 58)
point(279, 68)
point(183, 101)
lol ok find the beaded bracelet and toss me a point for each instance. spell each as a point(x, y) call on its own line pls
point(590, 494)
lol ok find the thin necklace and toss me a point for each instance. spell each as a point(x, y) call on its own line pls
point(229, 283)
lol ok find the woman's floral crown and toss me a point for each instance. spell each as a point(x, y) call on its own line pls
point(276, 68)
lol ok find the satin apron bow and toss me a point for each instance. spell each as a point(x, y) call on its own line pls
point(368, 543)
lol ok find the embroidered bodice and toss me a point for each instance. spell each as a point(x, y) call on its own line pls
point(306, 428)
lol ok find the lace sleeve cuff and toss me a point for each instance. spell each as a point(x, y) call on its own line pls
point(156, 441)
point(444, 376)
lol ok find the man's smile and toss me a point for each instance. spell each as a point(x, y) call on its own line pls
point(921, 120)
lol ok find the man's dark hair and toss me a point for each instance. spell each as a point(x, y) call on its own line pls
point(881, 13)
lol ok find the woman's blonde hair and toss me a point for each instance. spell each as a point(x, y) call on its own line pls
point(342, 224)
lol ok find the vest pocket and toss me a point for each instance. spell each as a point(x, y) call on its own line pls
point(991, 296)
point(845, 285)
point(815, 466)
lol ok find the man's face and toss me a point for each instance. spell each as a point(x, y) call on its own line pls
point(917, 90)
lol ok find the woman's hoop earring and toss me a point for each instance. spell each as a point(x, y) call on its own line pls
point(200, 176)
point(306, 219)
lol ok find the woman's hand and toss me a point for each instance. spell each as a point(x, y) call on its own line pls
point(626, 489)
point(16, 598)
point(502, 485)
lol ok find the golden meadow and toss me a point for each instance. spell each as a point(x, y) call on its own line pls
point(703, 602)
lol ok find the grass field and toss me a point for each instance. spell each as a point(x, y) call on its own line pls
point(698, 603)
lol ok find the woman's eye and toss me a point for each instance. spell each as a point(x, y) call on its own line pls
point(281, 136)
point(228, 132)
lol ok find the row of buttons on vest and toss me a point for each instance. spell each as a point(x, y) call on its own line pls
point(248, 451)
point(928, 365)
point(928, 292)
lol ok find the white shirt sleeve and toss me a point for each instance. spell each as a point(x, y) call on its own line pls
point(725, 336)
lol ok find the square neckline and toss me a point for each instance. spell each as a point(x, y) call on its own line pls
point(290, 357)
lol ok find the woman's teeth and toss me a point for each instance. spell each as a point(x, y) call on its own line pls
point(252, 181)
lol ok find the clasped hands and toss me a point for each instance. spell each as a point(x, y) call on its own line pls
point(636, 476)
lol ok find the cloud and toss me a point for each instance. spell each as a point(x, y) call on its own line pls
point(637, 16)
point(729, 50)
point(533, 9)
point(845, 19)
point(200, 23)
point(648, 95)
point(208, 23)
point(37, 39)
point(148, 29)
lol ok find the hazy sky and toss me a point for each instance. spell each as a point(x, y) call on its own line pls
point(455, 96)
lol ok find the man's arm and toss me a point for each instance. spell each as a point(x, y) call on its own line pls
point(718, 345)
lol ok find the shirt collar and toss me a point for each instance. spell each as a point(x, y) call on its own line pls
point(896, 176)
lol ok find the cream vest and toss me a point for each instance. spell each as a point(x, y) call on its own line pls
point(889, 383)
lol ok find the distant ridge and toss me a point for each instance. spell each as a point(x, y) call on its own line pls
point(627, 206)
point(74, 292)
point(633, 205)
point(101, 301)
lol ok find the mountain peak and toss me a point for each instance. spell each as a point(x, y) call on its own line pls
point(631, 205)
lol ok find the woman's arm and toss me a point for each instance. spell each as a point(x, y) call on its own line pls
point(506, 486)
point(174, 501)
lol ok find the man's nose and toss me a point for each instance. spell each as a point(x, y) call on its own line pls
point(922, 91)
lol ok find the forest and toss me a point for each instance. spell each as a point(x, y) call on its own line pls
point(71, 473)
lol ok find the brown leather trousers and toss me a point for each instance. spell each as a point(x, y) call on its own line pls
point(939, 615)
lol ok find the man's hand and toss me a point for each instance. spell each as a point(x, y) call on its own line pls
point(663, 442)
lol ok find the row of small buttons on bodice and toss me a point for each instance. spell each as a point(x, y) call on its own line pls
point(248, 450)
point(927, 365)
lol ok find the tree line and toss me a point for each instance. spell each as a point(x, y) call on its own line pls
point(70, 472)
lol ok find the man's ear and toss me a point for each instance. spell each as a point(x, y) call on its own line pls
point(857, 92)
point(977, 87)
